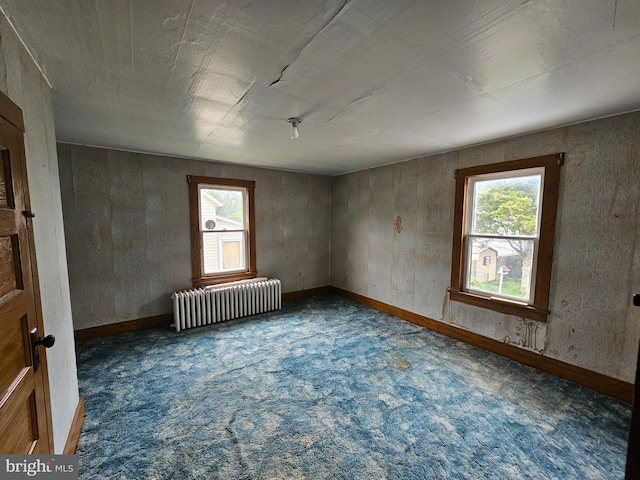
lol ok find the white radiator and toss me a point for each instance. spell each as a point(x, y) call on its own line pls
point(203, 306)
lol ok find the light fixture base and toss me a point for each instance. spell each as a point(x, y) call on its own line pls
point(294, 121)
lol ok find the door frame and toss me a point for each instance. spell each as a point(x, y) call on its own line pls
point(633, 462)
point(12, 113)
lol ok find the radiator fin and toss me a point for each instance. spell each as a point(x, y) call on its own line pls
point(204, 306)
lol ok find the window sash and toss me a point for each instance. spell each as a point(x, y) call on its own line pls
point(537, 309)
point(471, 209)
point(502, 237)
point(470, 195)
point(217, 228)
point(212, 242)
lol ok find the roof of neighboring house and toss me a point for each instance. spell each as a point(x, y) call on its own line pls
point(501, 247)
point(221, 221)
point(480, 249)
point(212, 198)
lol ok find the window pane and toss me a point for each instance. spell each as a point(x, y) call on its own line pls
point(223, 251)
point(221, 209)
point(500, 267)
point(507, 206)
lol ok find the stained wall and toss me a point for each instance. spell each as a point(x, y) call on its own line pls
point(23, 83)
point(596, 264)
point(126, 221)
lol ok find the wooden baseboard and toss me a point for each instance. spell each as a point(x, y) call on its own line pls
point(76, 427)
point(165, 320)
point(593, 380)
point(311, 292)
point(146, 323)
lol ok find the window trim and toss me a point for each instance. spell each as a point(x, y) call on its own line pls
point(537, 308)
point(201, 279)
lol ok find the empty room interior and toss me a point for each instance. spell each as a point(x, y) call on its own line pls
point(321, 239)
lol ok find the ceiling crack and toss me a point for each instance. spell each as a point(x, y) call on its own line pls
point(329, 21)
point(280, 77)
point(352, 102)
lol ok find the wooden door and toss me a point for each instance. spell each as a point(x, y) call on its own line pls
point(25, 422)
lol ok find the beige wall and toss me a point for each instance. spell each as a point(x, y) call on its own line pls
point(126, 221)
point(23, 83)
point(596, 265)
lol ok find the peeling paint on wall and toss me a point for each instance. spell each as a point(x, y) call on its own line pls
point(525, 336)
point(595, 261)
point(398, 224)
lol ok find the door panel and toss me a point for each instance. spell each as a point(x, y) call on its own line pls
point(19, 424)
point(6, 195)
point(24, 425)
point(15, 355)
point(10, 271)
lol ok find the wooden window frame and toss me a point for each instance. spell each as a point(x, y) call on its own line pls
point(537, 307)
point(201, 279)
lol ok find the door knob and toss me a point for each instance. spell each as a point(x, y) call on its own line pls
point(46, 342)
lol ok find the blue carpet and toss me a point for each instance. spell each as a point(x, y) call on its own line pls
point(330, 389)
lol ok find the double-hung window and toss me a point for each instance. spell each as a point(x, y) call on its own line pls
point(503, 236)
point(222, 229)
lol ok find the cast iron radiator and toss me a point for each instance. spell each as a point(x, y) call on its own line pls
point(203, 306)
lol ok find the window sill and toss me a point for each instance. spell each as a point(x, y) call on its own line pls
point(222, 278)
point(499, 305)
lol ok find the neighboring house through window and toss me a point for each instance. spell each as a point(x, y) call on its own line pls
point(503, 235)
point(222, 229)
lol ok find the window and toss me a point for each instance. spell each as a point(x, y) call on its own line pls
point(503, 235)
point(222, 230)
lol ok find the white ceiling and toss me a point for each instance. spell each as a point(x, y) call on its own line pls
point(375, 81)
